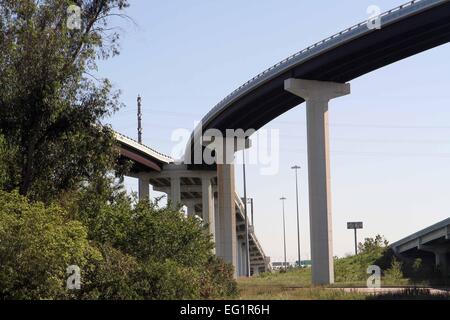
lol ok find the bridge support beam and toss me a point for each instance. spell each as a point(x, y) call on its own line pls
point(217, 229)
point(144, 186)
point(440, 254)
point(175, 190)
point(441, 263)
point(208, 206)
point(317, 94)
point(227, 214)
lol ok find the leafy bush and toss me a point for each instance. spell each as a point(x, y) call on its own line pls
point(373, 251)
point(124, 251)
point(218, 280)
point(370, 245)
point(37, 244)
point(394, 274)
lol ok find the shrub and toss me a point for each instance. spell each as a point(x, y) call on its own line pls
point(373, 251)
point(37, 244)
point(167, 280)
point(394, 274)
point(218, 280)
point(124, 250)
point(174, 254)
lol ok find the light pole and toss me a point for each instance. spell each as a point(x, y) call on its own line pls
point(251, 210)
point(139, 116)
point(284, 234)
point(296, 168)
point(247, 249)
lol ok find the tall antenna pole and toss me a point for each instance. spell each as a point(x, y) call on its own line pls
point(139, 115)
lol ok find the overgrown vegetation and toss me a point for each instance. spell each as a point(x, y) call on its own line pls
point(142, 253)
point(373, 251)
point(60, 204)
point(350, 272)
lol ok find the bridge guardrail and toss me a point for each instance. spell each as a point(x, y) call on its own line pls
point(356, 30)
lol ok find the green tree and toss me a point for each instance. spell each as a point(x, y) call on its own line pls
point(378, 244)
point(3, 163)
point(394, 274)
point(37, 244)
point(173, 254)
point(373, 251)
point(50, 105)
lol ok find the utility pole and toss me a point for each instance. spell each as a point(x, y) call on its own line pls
point(296, 168)
point(251, 210)
point(247, 249)
point(139, 116)
point(284, 234)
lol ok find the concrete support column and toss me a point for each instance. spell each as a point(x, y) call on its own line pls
point(208, 205)
point(440, 254)
point(317, 95)
point(244, 259)
point(144, 187)
point(217, 227)
point(239, 258)
point(227, 213)
point(175, 190)
point(441, 262)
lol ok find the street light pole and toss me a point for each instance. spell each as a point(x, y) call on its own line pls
point(247, 249)
point(251, 211)
point(296, 168)
point(284, 234)
point(139, 116)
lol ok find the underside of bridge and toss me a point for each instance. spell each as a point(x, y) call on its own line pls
point(310, 75)
point(192, 193)
point(431, 245)
point(198, 191)
point(315, 75)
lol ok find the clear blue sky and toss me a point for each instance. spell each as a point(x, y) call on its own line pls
point(390, 138)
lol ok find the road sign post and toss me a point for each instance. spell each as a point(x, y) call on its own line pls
point(355, 226)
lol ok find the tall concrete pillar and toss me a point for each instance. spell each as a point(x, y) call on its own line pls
point(243, 251)
point(317, 94)
point(440, 254)
point(441, 262)
point(239, 258)
point(227, 213)
point(144, 186)
point(175, 190)
point(208, 205)
point(217, 233)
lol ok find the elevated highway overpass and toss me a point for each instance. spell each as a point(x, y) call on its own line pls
point(197, 190)
point(317, 75)
point(431, 243)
